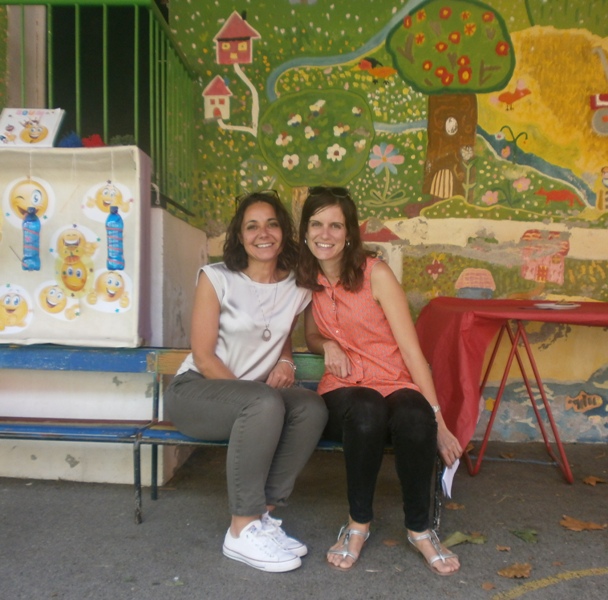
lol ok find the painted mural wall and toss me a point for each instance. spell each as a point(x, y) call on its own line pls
point(474, 138)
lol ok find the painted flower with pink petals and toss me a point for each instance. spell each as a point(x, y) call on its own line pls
point(490, 197)
point(384, 156)
point(522, 184)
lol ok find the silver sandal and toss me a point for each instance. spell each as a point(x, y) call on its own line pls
point(344, 552)
point(434, 539)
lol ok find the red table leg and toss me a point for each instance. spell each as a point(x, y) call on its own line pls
point(514, 337)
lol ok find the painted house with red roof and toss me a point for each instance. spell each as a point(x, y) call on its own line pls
point(234, 41)
point(217, 99)
point(544, 255)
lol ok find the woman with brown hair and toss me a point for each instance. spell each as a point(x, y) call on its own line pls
point(377, 384)
point(237, 382)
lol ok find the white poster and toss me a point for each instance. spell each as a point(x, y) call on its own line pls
point(73, 259)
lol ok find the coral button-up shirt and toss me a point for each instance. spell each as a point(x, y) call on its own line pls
point(357, 322)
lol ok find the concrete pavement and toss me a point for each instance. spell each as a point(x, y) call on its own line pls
point(77, 541)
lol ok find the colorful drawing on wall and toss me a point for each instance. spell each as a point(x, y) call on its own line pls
point(584, 402)
point(599, 102)
point(217, 100)
point(234, 46)
point(315, 137)
point(475, 284)
point(451, 52)
point(16, 308)
point(234, 41)
point(544, 254)
point(455, 176)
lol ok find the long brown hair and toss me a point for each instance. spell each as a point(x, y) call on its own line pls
point(234, 255)
point(355, 254)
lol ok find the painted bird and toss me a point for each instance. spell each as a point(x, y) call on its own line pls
point(375, 68)
point(509, 98)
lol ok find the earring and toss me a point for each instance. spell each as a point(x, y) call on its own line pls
point(305, 242)
point(348, 243)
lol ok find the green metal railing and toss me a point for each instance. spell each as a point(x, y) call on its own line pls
point(164, 87)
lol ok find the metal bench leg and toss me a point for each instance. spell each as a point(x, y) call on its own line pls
point(438, 494)
point(137, 480)
point(154, 475)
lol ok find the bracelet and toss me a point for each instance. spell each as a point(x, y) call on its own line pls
point(287, 361)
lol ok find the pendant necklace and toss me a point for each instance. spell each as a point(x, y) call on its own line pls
point(266, 334)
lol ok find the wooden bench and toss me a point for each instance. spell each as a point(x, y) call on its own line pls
point(159, 363)
point(309, 369)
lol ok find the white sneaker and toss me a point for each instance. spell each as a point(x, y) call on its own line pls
point(273, 527)
point(257, 548)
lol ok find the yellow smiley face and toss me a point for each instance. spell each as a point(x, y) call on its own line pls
point(52, 299)
point(28, 193)
point(110, 286)
point(71, 243)
point(108, 195)
point(74, 274)
point(33, 132)
point(16, 309)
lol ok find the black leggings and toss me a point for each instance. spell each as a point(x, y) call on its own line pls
point(364, 421)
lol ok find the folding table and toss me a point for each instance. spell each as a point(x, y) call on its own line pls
point(455, 334)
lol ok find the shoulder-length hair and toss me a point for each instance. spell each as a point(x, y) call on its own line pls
point(234, 254)
point(355, 254)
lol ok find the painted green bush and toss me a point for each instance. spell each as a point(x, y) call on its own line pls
point(317, 136)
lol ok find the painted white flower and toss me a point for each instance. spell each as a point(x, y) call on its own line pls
point(310, 133)
point(315, 108)
point(283, 139)
point(290, 161)
point(314, 162)
point(357, 111)
point(467, 153)
point(360, 145)
point(341, 130)
point(294, 120)
point(335, 152)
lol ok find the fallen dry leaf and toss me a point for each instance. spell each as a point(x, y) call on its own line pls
point(487, 586)
point(469, 447)
point(516, 571)
point(460, 538)
point(575, 525)
point(592, 480)
point(454, 506)
point(527, 535)
point(508, 455)
point(503, 548)
point(390, 543)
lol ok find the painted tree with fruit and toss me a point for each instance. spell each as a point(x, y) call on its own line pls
point(316, 137)
point(451, 50)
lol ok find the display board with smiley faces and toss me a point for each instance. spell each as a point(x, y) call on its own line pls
point(75, 297)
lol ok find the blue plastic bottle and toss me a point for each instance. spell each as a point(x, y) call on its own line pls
point(31, 241)
point(114, 228)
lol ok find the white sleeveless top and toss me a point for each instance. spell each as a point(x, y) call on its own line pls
point(246, 308)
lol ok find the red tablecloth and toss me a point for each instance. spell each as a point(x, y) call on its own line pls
point(454, 335)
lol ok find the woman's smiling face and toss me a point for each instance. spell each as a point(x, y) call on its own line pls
point(326, 234)
point(261, 233)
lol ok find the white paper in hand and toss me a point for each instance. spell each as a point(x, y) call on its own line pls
point(448, 478)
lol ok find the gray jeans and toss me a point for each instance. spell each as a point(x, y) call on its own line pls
point(271, 433)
